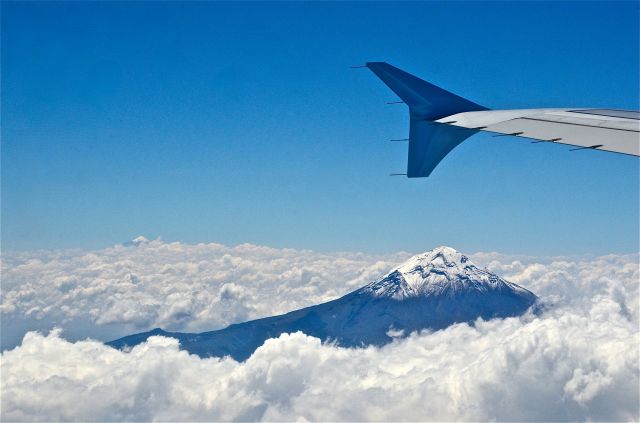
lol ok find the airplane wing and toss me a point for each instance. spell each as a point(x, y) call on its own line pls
point(440, 120)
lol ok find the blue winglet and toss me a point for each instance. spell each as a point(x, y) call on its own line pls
point(429, 142)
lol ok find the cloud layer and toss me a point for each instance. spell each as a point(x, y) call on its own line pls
point(112, 292)
point(577, 361)
point(564, 366)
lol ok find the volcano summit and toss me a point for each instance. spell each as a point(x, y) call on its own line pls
point(432, 290)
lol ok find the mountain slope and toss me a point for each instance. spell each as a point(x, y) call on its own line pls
point(430, 291)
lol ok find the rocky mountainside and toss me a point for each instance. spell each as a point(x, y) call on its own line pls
point(432, 290)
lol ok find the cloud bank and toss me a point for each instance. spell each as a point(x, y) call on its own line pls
point(577, 361)
point(564, 366)
point(112, 292)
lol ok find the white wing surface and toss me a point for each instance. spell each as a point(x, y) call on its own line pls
point(617, 131)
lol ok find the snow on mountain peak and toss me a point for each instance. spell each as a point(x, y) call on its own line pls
point(441, 257)
point(140, 240)
point(441, 271)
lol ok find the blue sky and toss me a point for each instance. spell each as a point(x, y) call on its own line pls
point(242, 122)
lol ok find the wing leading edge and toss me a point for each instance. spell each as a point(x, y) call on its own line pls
point(440, 120)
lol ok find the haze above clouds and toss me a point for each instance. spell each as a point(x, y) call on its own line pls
point(577, 361)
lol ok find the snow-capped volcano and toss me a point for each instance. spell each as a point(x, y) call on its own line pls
point(135, 242)
point(441, 271)
point(432, 290)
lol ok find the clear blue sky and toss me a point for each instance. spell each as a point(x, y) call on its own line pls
point(242, 122)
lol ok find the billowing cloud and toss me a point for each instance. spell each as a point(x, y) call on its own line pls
point(576, 361)
point(112, 292)
point(115, 291)
point(566, 365)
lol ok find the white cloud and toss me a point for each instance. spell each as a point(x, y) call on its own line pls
point(578, 361)
point(566, 365)
point(115, 291)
